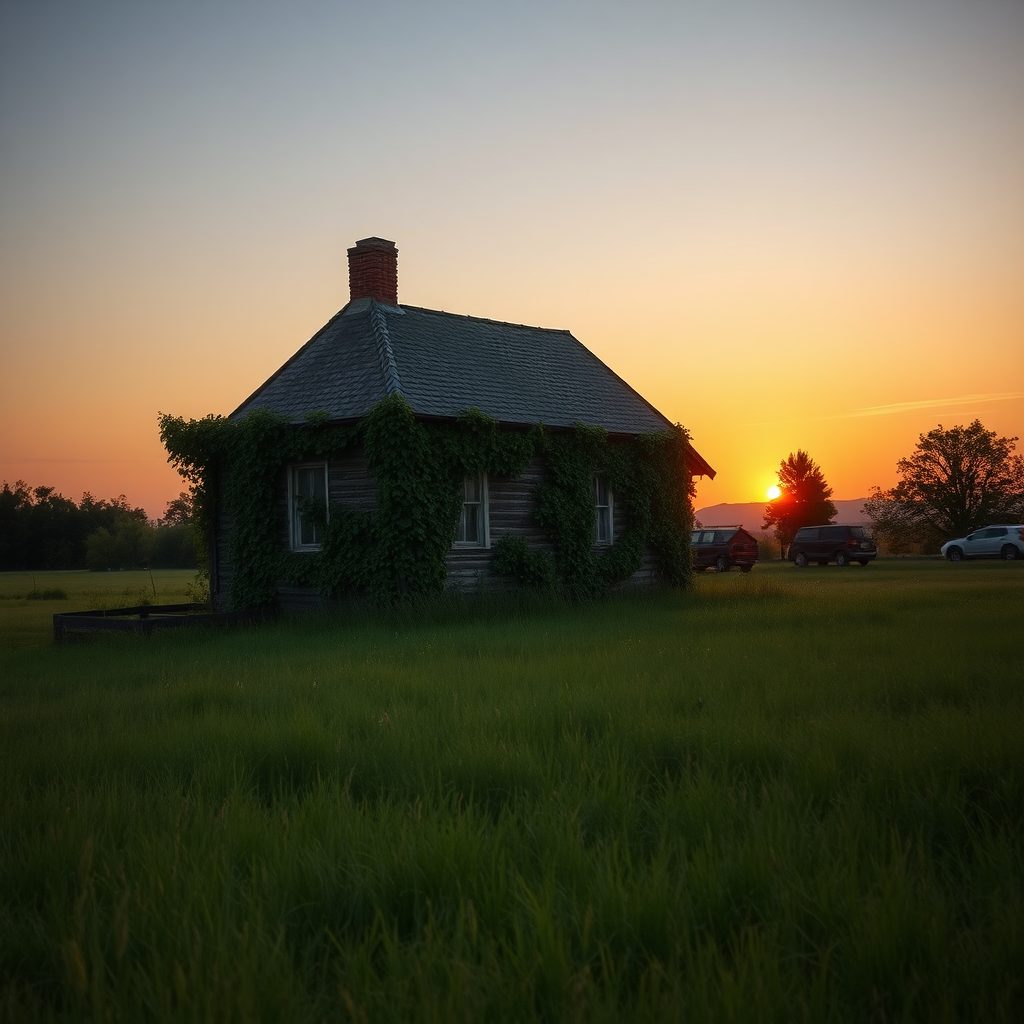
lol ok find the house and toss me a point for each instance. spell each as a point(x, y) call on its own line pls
point(465, 433)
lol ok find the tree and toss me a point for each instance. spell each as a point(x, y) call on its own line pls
point(956, 481)
point(804, 499)
point(15, 508)
point(127, 546)
point(179, 510)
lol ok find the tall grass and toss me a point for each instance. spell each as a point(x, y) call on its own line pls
point(784, 796)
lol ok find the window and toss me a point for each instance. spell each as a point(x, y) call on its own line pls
point(602, 510)
point(473, 527)
point(307, 490)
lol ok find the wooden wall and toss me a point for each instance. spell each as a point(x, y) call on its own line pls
point(350, 485)
point(510, 514)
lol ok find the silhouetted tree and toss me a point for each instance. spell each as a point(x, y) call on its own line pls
point(804, 499)
point(956, 481)
point(15, 505)
point(41, 529)
point(179, 510)
point(174, 547)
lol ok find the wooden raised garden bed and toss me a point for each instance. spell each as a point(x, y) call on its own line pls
point(143, 619)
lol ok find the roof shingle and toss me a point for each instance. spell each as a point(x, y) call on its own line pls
point(444, 363)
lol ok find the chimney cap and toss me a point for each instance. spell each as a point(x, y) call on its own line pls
point(373, 242)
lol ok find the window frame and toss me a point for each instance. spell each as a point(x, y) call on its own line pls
point(484, 506)
point(295, 522)
point(608, 509)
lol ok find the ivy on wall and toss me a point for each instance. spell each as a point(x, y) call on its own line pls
point(400, 547)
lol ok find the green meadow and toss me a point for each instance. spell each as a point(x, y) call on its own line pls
point(28, 600)
point(783, 796)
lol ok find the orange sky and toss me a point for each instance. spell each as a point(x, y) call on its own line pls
point(785, 227)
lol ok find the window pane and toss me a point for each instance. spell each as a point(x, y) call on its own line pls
point(471, 520)
point(309, 485)
point(307, 532)
point(602, 510)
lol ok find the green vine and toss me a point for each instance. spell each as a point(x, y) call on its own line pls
point(647, 474)
point(401, 546)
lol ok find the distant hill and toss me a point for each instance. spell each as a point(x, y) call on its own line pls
point(750, 514)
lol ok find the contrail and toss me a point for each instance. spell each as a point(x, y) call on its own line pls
point(928, 403)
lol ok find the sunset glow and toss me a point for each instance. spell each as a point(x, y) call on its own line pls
point(785, 226)
point(773, 492)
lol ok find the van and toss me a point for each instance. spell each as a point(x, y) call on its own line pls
point(831, 543)
point(722, 547)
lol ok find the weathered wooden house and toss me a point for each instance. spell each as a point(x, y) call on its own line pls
point(442, 365)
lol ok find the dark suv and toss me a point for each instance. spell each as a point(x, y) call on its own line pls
point(722, 547)
point(828, 543)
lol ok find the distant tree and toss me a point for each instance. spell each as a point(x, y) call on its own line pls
point(41, 529)
point(15, 505)
point(174, 547)
point(956, 481)
point(99, 550)
point(133, 543)
point(804, 499)
point(127, 546)
point(179, 510)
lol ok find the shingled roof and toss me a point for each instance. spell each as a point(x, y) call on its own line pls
point(444, 364)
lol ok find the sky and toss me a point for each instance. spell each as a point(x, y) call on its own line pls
point(787, 223)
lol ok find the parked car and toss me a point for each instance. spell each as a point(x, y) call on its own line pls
point(722, 547)
point(991, 542)
point(831, 543)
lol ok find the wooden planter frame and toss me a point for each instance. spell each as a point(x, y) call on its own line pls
point(143, 619)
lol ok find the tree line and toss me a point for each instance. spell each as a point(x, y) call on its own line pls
point(41, 529)
point(956, 480)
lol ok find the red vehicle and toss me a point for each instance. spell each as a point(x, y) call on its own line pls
point(722, 547)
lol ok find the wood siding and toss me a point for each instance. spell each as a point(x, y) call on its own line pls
point(350, 485)
point(510, 514)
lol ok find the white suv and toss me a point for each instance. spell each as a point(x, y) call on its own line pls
point(991, 542)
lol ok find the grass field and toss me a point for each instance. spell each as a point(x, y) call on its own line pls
point(26, 616)
point(786, 796)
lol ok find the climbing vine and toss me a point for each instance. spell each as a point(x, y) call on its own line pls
point(400, 547)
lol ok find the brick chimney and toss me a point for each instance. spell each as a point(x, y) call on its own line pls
point(373, 271)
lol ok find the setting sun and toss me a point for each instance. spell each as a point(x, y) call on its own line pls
point(773, 492)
